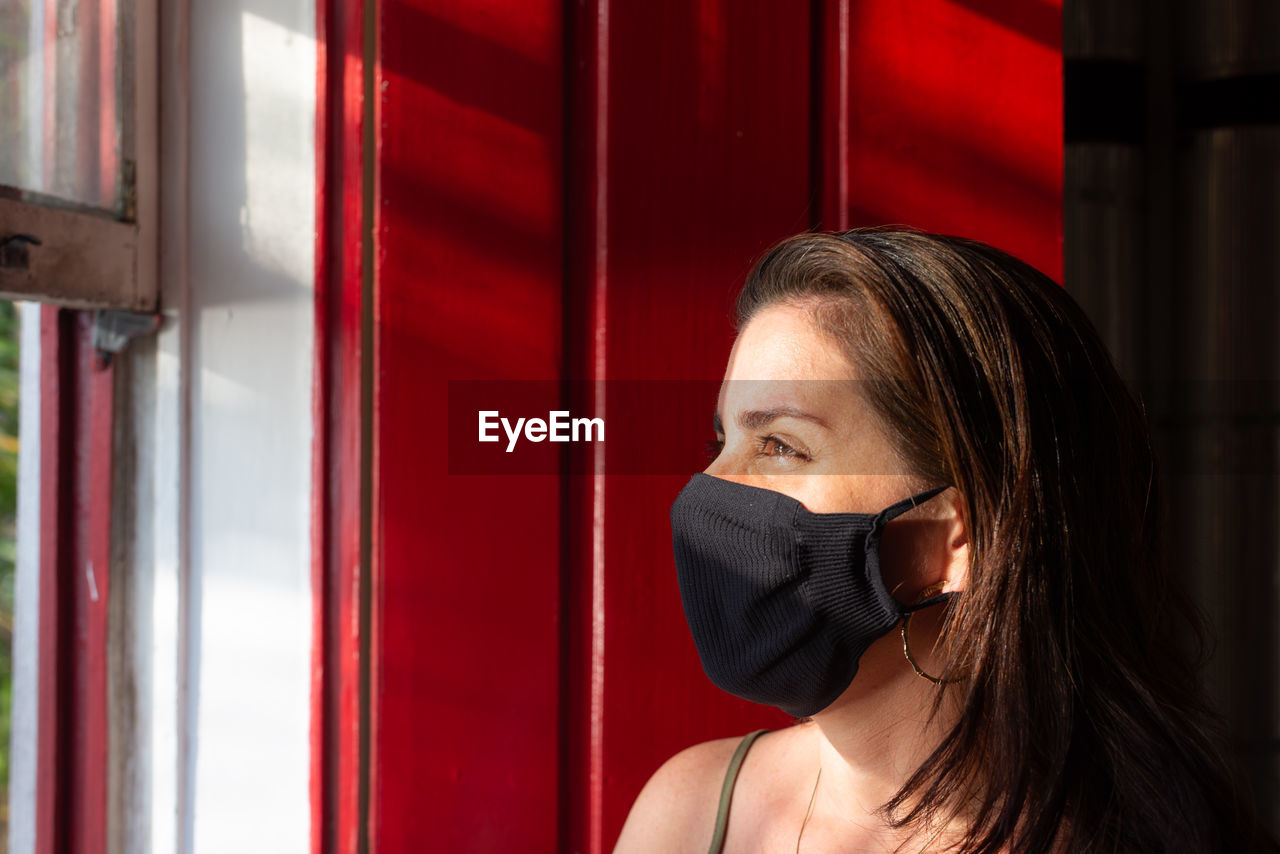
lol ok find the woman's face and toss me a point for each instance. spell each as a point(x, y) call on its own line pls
point(792, 418)
point(791, 404)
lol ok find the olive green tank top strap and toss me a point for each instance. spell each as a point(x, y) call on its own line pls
point(726, 790)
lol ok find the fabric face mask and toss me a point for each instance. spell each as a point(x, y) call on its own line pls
point(781, 602)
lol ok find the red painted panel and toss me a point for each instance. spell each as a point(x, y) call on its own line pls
point(955, 120)
point(466, 569)
point(75, 553)
point(708, 161)
point(320, 780)
point(338, 726)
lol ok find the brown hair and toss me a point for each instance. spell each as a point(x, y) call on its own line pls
point(1083, 724)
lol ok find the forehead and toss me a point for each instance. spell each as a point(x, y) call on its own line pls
point(782, 343)
point(781, 354)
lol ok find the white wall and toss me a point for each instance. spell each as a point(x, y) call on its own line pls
point(218, 758)
point(251, 266)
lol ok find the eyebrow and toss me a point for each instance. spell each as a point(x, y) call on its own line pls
point(755, 419)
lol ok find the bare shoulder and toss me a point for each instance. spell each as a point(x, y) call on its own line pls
point(676, 809)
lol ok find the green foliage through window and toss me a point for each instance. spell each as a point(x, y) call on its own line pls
point(8, 509)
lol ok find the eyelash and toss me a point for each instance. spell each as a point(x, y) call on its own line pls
point(715, 446)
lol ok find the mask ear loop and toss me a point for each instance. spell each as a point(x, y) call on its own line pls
point(908, 610)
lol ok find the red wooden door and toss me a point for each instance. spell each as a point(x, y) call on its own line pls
point(466, 573)
point(577, 198)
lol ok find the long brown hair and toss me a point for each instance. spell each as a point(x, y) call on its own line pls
point(1083, 723)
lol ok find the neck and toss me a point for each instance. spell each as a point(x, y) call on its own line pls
point(874, 736)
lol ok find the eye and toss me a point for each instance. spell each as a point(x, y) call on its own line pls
point(766, 446)
point(783, 449)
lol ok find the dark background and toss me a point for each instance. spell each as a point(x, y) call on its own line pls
point(1171, 219)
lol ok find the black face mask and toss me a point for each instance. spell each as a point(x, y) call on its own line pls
point(781, 601)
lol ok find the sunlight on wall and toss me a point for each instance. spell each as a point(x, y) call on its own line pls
point(280, 76)
point(252, 268)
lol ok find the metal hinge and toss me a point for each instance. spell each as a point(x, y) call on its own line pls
point(113, 330)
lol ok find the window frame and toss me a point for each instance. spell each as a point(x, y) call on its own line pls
point(88, 258)
point(63, 791)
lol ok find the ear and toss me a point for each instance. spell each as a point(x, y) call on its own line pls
point(953, 541)
point(926, 547)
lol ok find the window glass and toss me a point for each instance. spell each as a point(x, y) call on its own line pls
point(60, 110)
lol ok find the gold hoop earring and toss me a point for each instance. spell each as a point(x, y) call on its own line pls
point(906, 642)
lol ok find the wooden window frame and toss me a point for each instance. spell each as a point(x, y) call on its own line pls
point(87, 258)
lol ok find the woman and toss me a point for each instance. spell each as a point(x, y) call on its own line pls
point(932, 532)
